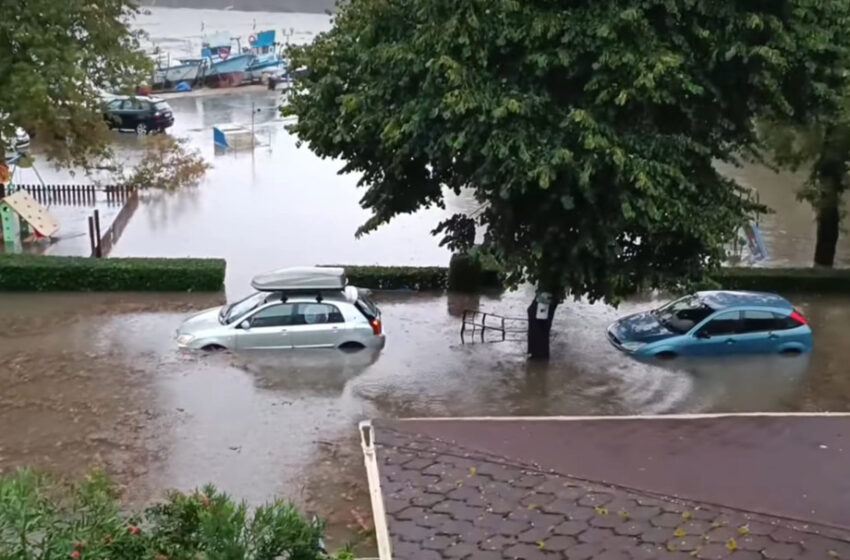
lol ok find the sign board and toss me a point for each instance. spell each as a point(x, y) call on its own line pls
point(755, 241)
point(32, 213)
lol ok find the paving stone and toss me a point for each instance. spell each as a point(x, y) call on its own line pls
point(687, 543)
point(643, 513)
point(570, 528)
point(606, 521)
point(559, 543)
point(411, 531)
point(460, 551)
point(535, 534)
point(782, 551)
point(524, 551)
point(666, 520)
point(785, 535)
point(629, 528)
point(594, 499)
point(437, 543)
point(584, 551)
point(487, 555)
point(499, 542)
point(596, 535)
point(753, 542)
point(656, 535)
point(713, 551)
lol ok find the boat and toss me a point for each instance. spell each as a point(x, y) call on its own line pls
point(167, 74)
point(266, 60)
point(223, 67)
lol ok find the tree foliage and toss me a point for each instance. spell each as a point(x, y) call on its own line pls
point(166, 164)
point(54, 58)
point(823, 146)
point(587, 130)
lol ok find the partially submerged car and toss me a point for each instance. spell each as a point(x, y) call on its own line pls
point(309, 307)
point(715, 323)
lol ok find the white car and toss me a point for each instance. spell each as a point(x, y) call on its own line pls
point(292, 308)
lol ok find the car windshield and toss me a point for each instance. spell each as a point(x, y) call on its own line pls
point(682, 315)
point(230, 313)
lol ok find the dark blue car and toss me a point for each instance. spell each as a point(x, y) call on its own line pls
point(715, 323)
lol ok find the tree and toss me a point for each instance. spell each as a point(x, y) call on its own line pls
point(54, 58)
point(587, 130)
point(823, 146)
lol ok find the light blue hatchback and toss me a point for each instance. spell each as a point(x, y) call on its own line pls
point(715, 323)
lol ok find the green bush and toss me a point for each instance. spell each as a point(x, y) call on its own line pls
point(83, 274)
point(42, 519)
point(785, 280)
point(397, 277)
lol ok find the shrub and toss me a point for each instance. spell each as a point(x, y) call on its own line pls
point(785, 280)
point(40, 518)
point(82, 274)
point(397, 277)
point(474, 270)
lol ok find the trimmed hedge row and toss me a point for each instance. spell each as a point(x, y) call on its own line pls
point(27, 273)
point(397, 277)
point(467, 272)
point(785, 280)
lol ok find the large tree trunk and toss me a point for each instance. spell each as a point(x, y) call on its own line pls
point(538, 331)
point(828, 220)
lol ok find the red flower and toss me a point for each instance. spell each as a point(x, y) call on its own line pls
point(134, 530)
point(75, 555)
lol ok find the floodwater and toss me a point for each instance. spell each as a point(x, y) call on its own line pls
point(97, 380)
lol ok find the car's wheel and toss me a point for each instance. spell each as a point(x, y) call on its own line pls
point(141, 129)
point(667, 355)
point(790, 352)
point(351, 346)
point(213, 348)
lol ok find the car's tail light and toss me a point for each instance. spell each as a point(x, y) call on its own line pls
point(376, 326)
point(797, 316)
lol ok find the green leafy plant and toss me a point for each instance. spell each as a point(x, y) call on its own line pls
point(46, 274)
point(42, 519)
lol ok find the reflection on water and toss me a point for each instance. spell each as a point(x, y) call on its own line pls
point(97, 379)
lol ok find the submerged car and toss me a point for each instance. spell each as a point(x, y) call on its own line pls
point(292, 308)
point(715, 323)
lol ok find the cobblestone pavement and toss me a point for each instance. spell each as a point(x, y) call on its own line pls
point(447, 501)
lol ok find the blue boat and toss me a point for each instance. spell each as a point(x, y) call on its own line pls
point(266, 59)
point(223, 67)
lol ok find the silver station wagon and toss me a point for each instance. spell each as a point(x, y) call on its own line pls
point(308, 307)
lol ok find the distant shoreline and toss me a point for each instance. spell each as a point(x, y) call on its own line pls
point(302, 6)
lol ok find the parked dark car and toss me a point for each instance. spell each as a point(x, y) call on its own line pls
point(140, 113)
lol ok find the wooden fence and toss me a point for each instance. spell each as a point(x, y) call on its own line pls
point(114, 231)
point(75, 195)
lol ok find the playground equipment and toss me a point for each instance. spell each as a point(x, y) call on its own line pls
point(20, 213)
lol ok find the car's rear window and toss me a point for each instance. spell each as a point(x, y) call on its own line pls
point(367, 307)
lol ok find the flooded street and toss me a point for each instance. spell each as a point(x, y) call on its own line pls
point(96, 379)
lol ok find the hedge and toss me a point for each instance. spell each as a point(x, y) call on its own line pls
point(785, 280)
point(782, 280)
point(397, 277)
point(26, 273)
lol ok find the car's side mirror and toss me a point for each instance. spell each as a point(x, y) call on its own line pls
point(702, 334)
point(245, 325)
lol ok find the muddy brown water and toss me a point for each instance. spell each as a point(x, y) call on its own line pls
point(96, 380)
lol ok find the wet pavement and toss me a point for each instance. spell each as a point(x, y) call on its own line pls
point(96, 379)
